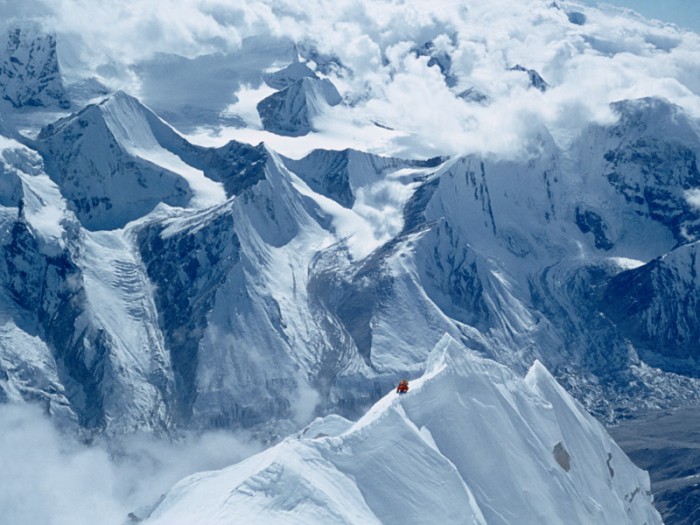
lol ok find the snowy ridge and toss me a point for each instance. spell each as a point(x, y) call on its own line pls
point(344, 266)
point(107, 184)
point(63, 281)
point(132, 126)
point(458, 448)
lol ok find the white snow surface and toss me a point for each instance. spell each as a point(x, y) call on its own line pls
point(120, 304)
point(125, 118)
point(44, 207)
point(470, 443)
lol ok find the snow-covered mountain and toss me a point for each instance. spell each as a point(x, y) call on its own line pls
point(291, 110)
point(340, 203)
point(344, 268)
point(471, 442)
point(29, 70)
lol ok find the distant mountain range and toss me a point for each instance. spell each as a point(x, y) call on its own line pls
point(152, 283)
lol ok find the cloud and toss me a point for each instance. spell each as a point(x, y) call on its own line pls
point(692, 197)
point(305, 404)
point(48, 477)
point(613, 56)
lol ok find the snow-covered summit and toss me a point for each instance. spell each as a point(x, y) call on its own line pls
point(536, 80)
point(29, 70)
point(293, 110)
point(471, 442)
point(153, 282)
point(110, 163)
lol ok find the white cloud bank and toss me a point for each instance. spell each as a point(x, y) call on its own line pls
point(614, 55)
point(49, 478)
point(692, 197)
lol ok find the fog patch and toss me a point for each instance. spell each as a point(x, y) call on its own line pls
point(51, 478)
point(692, 197)
point(305, 404)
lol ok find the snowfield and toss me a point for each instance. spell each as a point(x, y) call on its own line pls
point(471, 442)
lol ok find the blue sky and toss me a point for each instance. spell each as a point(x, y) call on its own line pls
point(685, 13)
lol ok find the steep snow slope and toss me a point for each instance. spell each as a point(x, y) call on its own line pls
point(176, 308)
point(470, 443)
point(79, 331)
point(643, 167)
point(259, 340)
point(343, 267)
point(113, 169)
point(277, 287)
point(148, 283)
point(522, 251)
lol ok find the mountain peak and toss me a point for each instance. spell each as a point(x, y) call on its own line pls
point(536, 80)
point(289, 75)
point(655, 116)
point(120, 96)
point(116, 160)
point(457, 448)
point(292, 110)
point(29, 71)
point(118, 111)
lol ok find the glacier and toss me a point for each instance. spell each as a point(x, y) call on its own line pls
point(347, 266)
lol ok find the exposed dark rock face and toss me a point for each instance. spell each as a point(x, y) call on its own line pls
point(536, 81)
point(29, 71)
point(289, 75)
point(50, 290)
point(657, 307)
point(590, 222)
point(187, 269)
point(292, 110)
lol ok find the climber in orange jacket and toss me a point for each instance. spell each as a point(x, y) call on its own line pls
point(403, 387)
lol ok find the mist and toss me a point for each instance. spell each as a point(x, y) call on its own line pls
point(612, 56)
point(50, 478)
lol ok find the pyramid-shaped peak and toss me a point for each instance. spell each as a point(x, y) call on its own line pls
point(121, 99)
point(287, 76)
point(120, 96)
point(291, 111)
point(457, 448)
point(118, 110)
